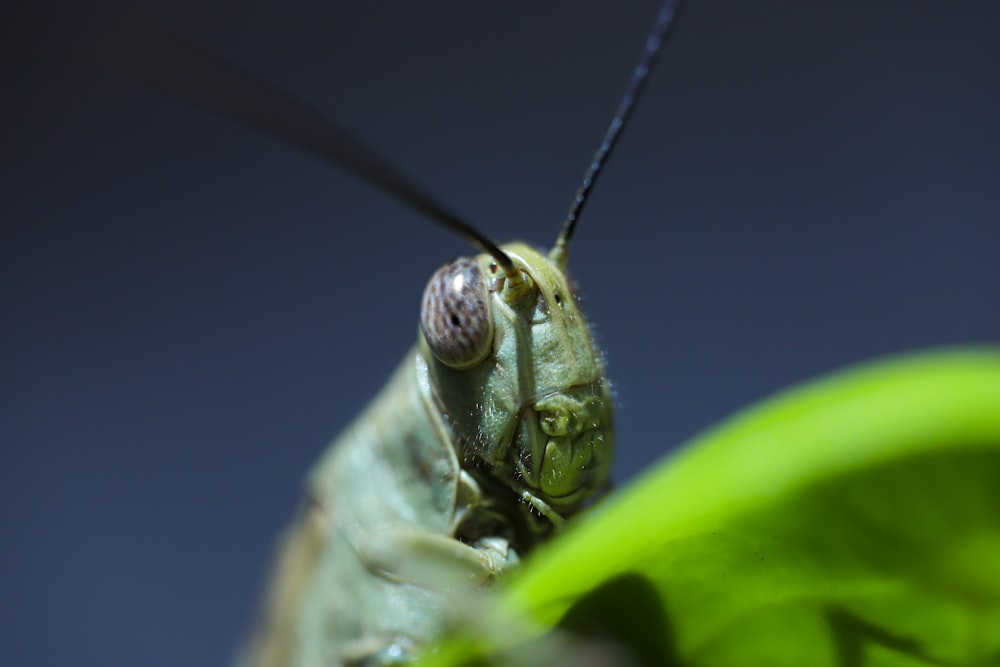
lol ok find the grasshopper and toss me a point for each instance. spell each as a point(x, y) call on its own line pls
point(494, 430)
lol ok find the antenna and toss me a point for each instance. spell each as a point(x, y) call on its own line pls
point(661, 30)
point(158, 58)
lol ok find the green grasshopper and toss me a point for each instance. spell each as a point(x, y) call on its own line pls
point(495, 428)
point(476, 450)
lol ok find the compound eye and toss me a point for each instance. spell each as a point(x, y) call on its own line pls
point(455, 314)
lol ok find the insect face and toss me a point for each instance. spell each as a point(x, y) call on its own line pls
point(533, 410)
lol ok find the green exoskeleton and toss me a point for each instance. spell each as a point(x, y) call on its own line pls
point(495, 428)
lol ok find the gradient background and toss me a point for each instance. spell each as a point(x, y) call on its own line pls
point(191, 310)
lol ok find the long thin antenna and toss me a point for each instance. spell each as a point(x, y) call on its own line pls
point(661, 29)
point(158, 58)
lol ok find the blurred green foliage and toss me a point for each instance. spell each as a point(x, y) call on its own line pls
point(854, 520)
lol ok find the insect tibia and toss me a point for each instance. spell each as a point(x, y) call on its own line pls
point(435, 562)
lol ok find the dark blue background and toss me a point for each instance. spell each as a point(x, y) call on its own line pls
point(191, 310)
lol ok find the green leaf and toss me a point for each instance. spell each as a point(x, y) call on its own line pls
point(852, 521)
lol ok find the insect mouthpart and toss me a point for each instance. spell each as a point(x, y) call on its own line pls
point(565, 446)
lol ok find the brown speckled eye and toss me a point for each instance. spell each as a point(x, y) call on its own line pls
point(455, 314)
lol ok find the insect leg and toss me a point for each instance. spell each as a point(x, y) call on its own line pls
point(542, 508)
point(434, 561)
